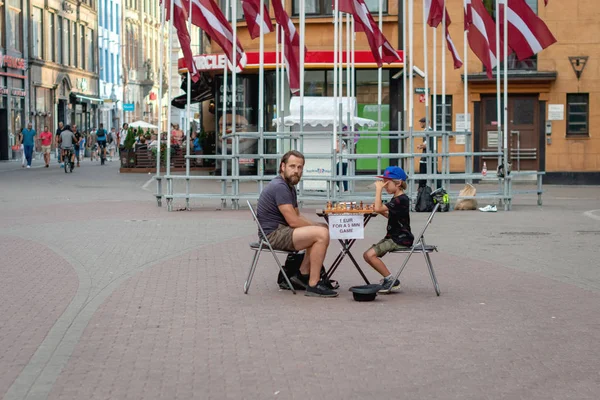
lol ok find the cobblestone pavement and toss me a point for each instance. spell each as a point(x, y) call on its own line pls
point(106, 296)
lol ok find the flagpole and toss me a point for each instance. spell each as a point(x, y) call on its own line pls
point(302, 45)
point(188, 124)
point(505, 126)
point(434, 125)
point(404, 80)
point(235, 164)
point(161, 57)
point(498, 78)
point(277, 94)
point(467, 120)
point(224, 152)
point(261, 94)
point(169, 105)
point(379, 90)
point(425, 78)
point(410, 96)
point(335, 94)
point(282, 84)
point(444, 127)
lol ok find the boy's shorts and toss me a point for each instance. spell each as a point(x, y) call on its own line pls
point(386, 245)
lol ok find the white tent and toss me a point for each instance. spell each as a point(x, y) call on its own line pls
point(143, 125)
point(322, 110)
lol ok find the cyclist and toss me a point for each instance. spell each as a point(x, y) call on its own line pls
point(67, 141)
point(101, 140)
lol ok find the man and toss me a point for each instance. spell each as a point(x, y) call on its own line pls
point(123, 134)
point(28, 141)
point(57, 135)
point(287, 230)
point(67, 142)
point(423, 146)
point(112, 141)
point(101, 140)
point(46, 144)
point(76, 142)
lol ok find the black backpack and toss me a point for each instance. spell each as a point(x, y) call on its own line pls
point(292, 268)
point(424, 200)
point(109, 138)
point(441, 196)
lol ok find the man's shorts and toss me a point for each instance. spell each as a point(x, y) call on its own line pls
point(102, 144)
point(386, 245)
point(46, 149)
point(281, 238)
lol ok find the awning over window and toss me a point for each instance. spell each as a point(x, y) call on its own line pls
point(82, 98)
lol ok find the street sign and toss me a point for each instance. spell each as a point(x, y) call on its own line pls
point(128, 106)
point(421, 90)
point(421, 98)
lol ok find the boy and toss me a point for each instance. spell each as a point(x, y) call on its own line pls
point(398, 234)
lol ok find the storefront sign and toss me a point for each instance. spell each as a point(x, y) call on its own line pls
point(556, 112)
point(4, 91)
point(346, 227)
point(19, 92)
point(128, 107)
point(421, 90)
point(12, 62)
point(82, 84)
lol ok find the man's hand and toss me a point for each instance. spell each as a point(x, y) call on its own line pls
point(422, 146)
point(379, 185)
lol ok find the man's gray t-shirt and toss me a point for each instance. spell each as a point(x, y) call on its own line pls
point(276, 193)
point(66, 138)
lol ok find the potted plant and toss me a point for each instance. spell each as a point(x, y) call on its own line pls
point(127, 154)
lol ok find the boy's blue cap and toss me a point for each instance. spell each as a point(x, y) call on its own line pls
point(394, 173)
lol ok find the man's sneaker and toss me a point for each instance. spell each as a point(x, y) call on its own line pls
point(387, 284)
point(29, 166)
point(488, 208)
point(320, 291)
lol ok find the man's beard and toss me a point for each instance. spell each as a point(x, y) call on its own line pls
point(291, 180)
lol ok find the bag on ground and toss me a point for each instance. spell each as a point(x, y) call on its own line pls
point(440, 196)
point(467, 204)
point(292, 268)
point(424, 200)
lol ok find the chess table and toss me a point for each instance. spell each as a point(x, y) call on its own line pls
point(347, 244)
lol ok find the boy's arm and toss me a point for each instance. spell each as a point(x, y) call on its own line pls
point(380, 208)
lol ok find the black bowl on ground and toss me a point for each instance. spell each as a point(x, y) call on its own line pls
point(365, 292)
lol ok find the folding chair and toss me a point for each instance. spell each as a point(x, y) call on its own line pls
point(420, 246)
point(264, 245)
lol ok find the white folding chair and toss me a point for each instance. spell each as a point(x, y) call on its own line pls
point(264, 245)
point(420, 246)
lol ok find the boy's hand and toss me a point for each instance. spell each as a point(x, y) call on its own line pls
point(379, 185)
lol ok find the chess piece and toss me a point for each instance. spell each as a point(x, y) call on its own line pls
point(361, 205)
point(329, 206)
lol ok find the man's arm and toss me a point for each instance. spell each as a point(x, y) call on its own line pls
point(292, 216)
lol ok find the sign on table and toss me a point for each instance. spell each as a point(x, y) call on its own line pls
point(346, 227)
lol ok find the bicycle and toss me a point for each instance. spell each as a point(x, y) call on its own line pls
point(68, 160)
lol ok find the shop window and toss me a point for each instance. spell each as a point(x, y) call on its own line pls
point(439, 110)
point(578, 114)
point(324, 7)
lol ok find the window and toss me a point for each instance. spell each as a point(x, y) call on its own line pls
point(102, 69)
point(52, 31)
point(578, 114)
point(106, 3)
point(66, 42)
point(107, 66)
point(89, 51)
point(82, 46)
point(324, 7)
point(1, 29)
point(75, 56)
point(113, 68)
point(110, 16)
point(59, 39)
point(373, 6)
point(37, 29)
point(439, 110)
point(14, 30)
point(118, 17)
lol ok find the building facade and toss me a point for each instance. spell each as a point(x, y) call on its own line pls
point(111, 67)
point(553, 119)
point(141, 64)
point(13, 70)
point(63, 64)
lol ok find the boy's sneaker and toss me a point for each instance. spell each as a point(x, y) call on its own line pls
point(320, 290)
point(389, 284)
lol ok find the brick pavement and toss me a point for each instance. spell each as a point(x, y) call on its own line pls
point(159, 312)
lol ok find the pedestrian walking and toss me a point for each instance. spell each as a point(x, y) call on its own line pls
point(57, 142)
point(46, 144)
point(77, 141)
point(28, 140)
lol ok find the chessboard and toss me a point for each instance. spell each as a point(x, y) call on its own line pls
point(349, 208)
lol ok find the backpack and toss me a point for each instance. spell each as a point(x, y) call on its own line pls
point(424, 200)
point(292, 268)
point(110, 139)
point(441, 196)
point(500, 171)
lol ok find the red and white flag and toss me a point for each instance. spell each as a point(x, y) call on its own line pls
point(435, 16)
point(207, 15)
point(468, 14)
point(252, 16)
point(364, 22)
point(291, 39)
point(453, 51)
point(180, 20)
point(545, 2)
point(527, 33)
point(482, 34)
